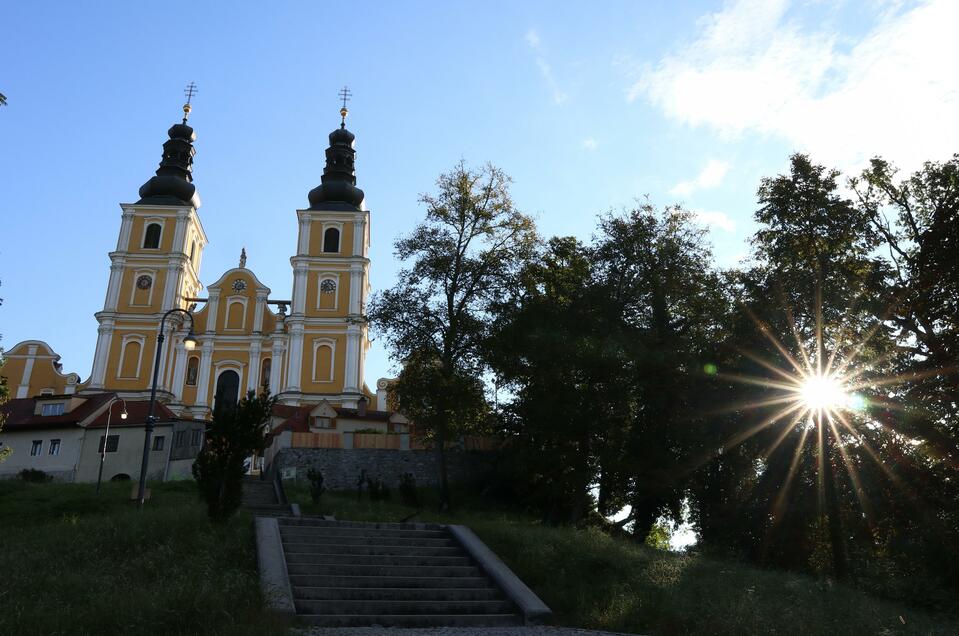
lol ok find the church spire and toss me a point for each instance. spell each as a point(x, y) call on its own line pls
point(173, 183)
point(337, 190)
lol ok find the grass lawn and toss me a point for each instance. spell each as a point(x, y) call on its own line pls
point(72, 562)
point(592, 580)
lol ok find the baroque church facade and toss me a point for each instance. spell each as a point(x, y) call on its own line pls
point(306, 348)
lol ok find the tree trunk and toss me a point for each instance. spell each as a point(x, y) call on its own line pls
point(441, 465)
point(832, 508)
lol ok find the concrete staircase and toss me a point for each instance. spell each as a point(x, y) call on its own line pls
point(345, 574)
point(259, 498)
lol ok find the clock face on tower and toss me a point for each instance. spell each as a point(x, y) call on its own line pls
point(144, 282)
point(239, 285)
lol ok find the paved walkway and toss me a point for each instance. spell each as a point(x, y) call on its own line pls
point(454, 631)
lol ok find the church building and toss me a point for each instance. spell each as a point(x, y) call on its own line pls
point(308, 347)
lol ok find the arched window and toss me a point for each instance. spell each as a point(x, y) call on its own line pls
point(331, 240)
point(193, 254)
point(192, 370)
point(151, 239)
point(227, 391)
point(265, 372)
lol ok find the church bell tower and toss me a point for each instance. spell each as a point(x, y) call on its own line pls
point(327, 328)
point(154, 268)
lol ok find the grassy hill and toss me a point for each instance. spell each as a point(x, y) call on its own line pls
point(593, 580)
point(72, 562)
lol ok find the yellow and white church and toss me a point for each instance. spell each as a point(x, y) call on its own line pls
point(309, 348)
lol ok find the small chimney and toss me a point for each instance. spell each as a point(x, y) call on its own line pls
point(361, 406)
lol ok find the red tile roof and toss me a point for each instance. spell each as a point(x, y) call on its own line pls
point(136, 414)
point(20, 413)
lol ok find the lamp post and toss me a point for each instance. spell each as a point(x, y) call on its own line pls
point(189, 343)
point(106, 437)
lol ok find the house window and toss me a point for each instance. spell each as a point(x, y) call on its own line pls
point(196, 436)
point(51, 409)
point(54, 447)
point(36, 447)
point(179, 439)
point(158, 442)
point(151, 240)
point(192, 370)
point(322, 422)
point(113, 441)
point(331, 240)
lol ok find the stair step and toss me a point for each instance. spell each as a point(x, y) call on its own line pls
point(319, 522)
point(398, 593)
point(300, 558)
point(291, 536)
point(383, 570)
point(385, 550)
point(353, 580)
point(391, 607)
point(363, 532)
point(410, 620)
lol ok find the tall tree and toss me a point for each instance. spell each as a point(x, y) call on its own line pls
point(465, 254)
point(555, 344)
point(656, 266)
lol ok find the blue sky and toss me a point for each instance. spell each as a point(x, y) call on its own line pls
point(588, 107)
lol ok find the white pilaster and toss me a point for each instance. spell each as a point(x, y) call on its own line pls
point(359, 235)
point(352, 370)
point(277, 363)
point(116, 279)
point(203, 373)
point(356, 287)
point(126, 228)
point(172, 284)
point(212, 305)
point(179, 371)
point(179, 234)
point(303, 242)
point(102, 352)
point(24, 387)
point(258, 313)
point(300, 273)
point(295, 358)
point(253, 377)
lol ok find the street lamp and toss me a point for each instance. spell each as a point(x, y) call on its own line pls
point(188, 343)
point(106, 437)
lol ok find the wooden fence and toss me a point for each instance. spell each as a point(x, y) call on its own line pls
point(317, 440)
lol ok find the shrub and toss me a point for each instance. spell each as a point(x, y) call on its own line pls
point(235, 433)
point(408, 492)
point(379, 491)
point(316, 484)
point(34, 475)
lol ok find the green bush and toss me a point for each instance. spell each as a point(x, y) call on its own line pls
point(34, 475)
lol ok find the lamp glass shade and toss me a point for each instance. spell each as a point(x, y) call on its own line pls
point(123, 415)
point(190, 342)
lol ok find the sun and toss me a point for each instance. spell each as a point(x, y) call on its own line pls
point(821, 392)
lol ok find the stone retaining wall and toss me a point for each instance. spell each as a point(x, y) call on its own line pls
point(341, 467)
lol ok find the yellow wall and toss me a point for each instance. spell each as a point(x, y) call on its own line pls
point(43, 375)
point(140, 221)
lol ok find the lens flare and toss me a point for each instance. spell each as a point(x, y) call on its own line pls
point(821, 392)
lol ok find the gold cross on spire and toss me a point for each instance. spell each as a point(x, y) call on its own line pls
point(345, 95)
point(189, 92)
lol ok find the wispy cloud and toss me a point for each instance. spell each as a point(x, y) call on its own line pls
point(589, 143)
point(536, 44)
point(710, 177)
point(752, 68)
point(712, 218)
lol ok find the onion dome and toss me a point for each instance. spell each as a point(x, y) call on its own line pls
point(337, 190)
point(173, 183)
